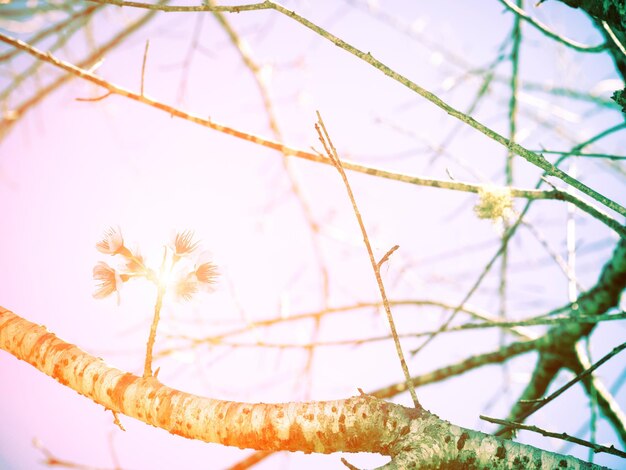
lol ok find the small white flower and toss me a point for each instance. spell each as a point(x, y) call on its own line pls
point(184, 244)
point(110, 280)
point(112, 243)
point(186, 287)
point(205, 271)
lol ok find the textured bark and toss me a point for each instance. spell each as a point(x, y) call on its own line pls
point(545, 371)
point(612, 281)
point(413, 437)
point(353, 425)
point(558, 348)
point(451, 447)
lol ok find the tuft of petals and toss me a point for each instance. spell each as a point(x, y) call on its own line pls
point(184, 244)
point(110, 280)
point(186, 287)
point(206, 273)
point(112, 243)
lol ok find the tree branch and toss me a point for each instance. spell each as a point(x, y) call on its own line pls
point(529, 194)
point(534, 158)
point(410, 436)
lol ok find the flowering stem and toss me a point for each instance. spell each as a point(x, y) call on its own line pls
point(147, 369)
point(161, 287)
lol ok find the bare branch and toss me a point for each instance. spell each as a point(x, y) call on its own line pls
point(444, 184)
point(334, 157)
point(562, 435)
point(548, 32)
point(534, 158)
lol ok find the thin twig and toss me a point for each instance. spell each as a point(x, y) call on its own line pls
point(600, 397)
point(53, 461)
point(540, 403)
point(563, 436)
point(116, 421)
point(558, 259)
point(385, 258)
point(548, 32)
point(97, 98)
point(465, 365)
point(336, 310)
point(94, 57)
point(251, 460)
point(188, 60)
point(505, 239)
point(584, 154)
point(592, 393)
point(372, 339)
point(143, 65)
point(349, 465)
point(529, 194)
point(544, 401)
point(614, 390)
point(334, 157)
point(55, 28)
point(187, 9)
point(31, 72)
point(534, 158)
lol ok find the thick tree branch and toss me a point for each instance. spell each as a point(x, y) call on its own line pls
point(352, 425)
point(411, 436)
point(558, 349)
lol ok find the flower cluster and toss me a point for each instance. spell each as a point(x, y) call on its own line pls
point(188, 278)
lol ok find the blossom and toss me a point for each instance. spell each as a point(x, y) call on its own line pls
point(110, 280)
point(206, 273)
point(112, 243)
point(201, 277)
point(184, 244)
point(186, 286)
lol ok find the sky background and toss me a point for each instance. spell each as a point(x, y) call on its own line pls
point(69, 169)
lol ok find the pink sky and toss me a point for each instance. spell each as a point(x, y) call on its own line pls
point(70, 169)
